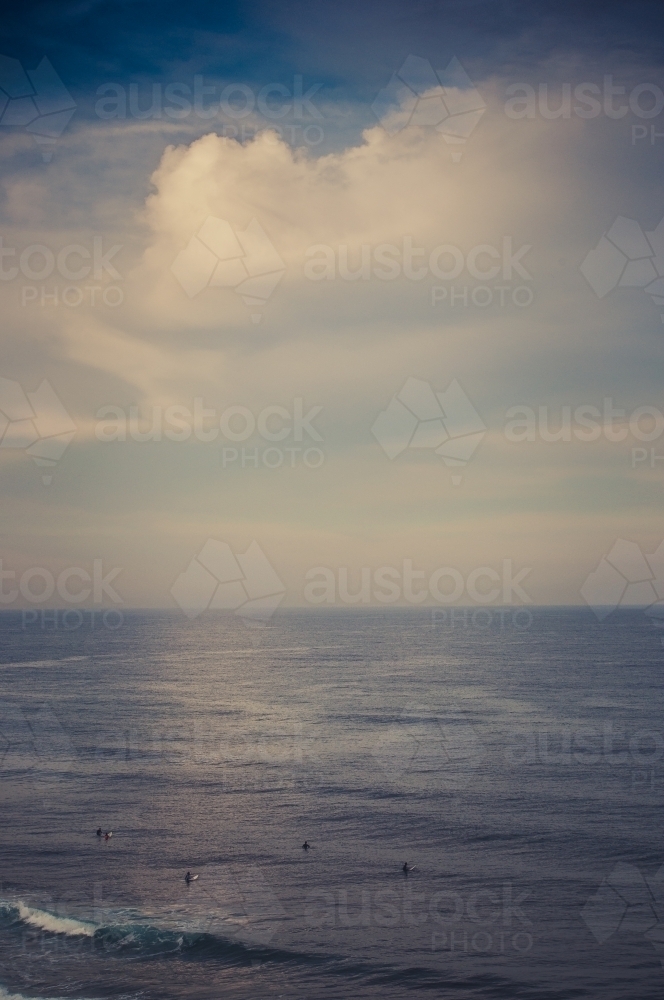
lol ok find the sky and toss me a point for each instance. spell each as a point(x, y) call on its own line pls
point(299, 299)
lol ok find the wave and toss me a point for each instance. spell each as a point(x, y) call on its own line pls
point(52, 923)
point(142, 940)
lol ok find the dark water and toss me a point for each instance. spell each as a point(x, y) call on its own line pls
point(518, 766)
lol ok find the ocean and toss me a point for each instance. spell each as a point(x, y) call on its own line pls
point(514, 761)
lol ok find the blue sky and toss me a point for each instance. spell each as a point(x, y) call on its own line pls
point(348, 47)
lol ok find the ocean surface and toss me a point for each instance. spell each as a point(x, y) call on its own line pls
point(516, 762)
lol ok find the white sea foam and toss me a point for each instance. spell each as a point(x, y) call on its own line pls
point(54, 925)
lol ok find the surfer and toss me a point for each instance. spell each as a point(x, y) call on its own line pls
point(107, 836)
point(305, 845)
point(188, 877)
point(99, 832)
point(405, 868)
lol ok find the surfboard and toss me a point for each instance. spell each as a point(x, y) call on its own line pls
point(192, 878)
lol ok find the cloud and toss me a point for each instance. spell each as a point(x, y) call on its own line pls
point(154, 371)
point(346, 345)
point(397, 190)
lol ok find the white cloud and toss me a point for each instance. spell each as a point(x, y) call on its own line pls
point(347, 346)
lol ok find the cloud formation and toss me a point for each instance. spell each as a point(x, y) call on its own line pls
point(398, 263)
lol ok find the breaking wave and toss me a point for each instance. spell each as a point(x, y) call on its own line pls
point(52, 923)
point(140, 940)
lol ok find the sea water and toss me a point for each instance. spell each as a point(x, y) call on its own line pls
point(516, 760)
